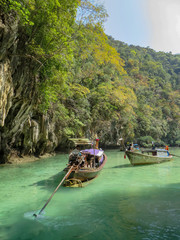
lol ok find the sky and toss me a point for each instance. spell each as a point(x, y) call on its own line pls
point(145, 23)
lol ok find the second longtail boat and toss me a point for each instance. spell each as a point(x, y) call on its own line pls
point(148, 156)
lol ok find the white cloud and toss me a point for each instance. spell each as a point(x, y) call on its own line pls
point(164, 18)
point(178, 26)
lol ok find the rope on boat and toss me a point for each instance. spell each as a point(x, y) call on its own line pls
point(72, 182)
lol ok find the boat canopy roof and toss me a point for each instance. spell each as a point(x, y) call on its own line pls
point(92, 151)
point(81, 141)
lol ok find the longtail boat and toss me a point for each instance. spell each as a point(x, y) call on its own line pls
point(87, 162)
point(83, 165)
point(148, 156)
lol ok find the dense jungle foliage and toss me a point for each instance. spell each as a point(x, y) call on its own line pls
point(92, 84)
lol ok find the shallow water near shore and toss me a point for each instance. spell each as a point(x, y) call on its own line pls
point(123, 202)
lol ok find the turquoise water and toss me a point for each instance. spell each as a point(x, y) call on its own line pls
point(124, 202)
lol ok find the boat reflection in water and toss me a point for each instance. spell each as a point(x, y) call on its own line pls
point(87, 162)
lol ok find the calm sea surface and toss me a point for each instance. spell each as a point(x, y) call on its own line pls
point(124, 202)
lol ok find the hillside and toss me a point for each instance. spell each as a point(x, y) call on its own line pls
point(155, 79)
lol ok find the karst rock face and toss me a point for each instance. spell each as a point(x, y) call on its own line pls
point(23, 129)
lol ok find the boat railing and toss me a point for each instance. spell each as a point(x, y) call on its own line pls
point(156, 152)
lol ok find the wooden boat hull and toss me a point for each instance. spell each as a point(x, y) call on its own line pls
point(85, 174)
point(136, 158)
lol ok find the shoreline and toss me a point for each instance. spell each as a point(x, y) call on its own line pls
point(31, 158)
point(27, 158)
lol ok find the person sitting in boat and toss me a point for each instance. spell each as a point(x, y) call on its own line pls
point(153, 146)
point(82, 160)
point(78, 160)
point(97, 164)
point(154, 152)
point(74, 155)
point(88, 160)
point(76, 150)
point(135, 146)
point(167, 148)
point(130, 147)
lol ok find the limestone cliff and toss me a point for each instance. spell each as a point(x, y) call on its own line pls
point(23, 129)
